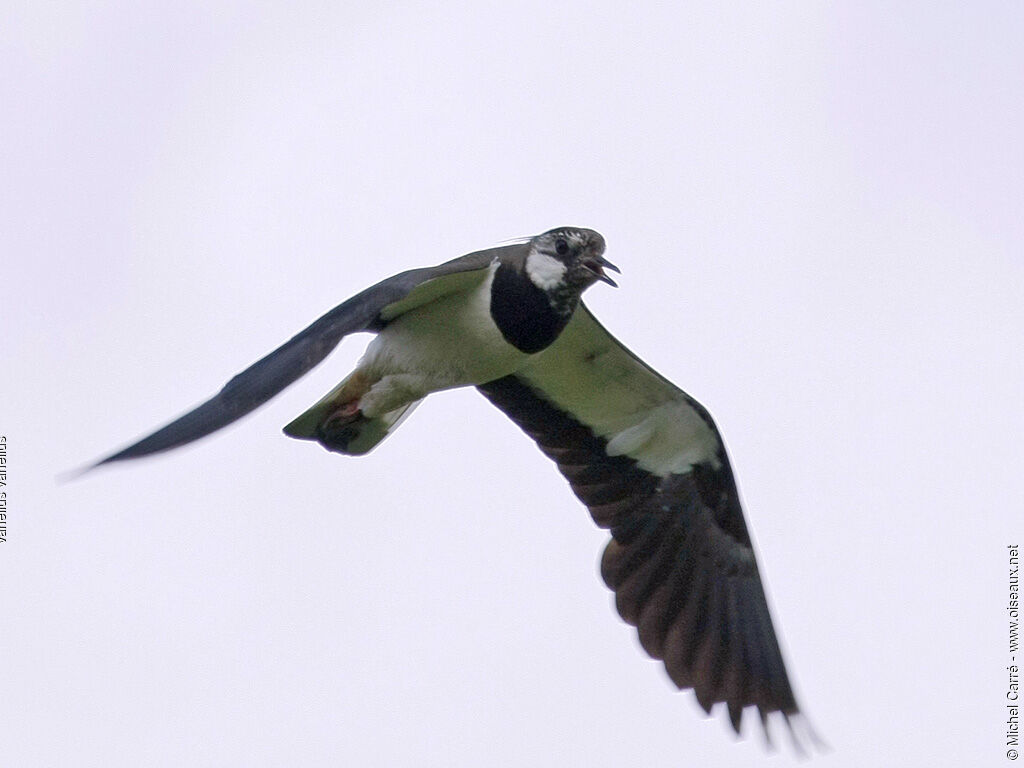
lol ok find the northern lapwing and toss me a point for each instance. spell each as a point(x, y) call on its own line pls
point(641, 454)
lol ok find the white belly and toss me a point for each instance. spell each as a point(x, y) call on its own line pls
point(450, 342)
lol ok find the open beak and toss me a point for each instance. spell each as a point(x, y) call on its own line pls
point(597, 265)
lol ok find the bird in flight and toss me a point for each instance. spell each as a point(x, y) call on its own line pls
point(642, 455)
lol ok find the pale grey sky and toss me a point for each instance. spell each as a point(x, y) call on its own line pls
point(817, 212)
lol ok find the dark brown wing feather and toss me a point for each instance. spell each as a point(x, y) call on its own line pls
point(680, 560)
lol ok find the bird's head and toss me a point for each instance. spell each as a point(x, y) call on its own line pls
point(564, 262)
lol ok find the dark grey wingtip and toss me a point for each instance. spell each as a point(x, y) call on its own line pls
point(76, 474)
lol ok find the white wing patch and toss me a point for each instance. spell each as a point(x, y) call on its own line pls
point(546, 272)
point(596, 380)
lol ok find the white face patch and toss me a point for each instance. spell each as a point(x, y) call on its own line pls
point(546, 272)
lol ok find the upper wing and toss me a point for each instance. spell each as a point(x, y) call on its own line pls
point(369, 310)
point(650, 465)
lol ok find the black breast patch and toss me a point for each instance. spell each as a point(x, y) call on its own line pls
point(523, 312)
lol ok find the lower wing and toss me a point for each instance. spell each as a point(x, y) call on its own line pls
point(648, 462)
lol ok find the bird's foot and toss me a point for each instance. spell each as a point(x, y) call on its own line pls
point(346, 412)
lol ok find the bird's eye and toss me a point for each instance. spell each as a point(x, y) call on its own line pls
point(561, 246)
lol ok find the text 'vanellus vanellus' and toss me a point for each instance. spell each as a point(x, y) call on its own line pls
point(643, 455)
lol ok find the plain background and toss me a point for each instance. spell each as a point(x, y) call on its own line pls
point(817, 210)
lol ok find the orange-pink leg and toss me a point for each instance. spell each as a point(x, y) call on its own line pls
point(347, 401)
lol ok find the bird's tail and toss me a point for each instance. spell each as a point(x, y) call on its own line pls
point(355, 435)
